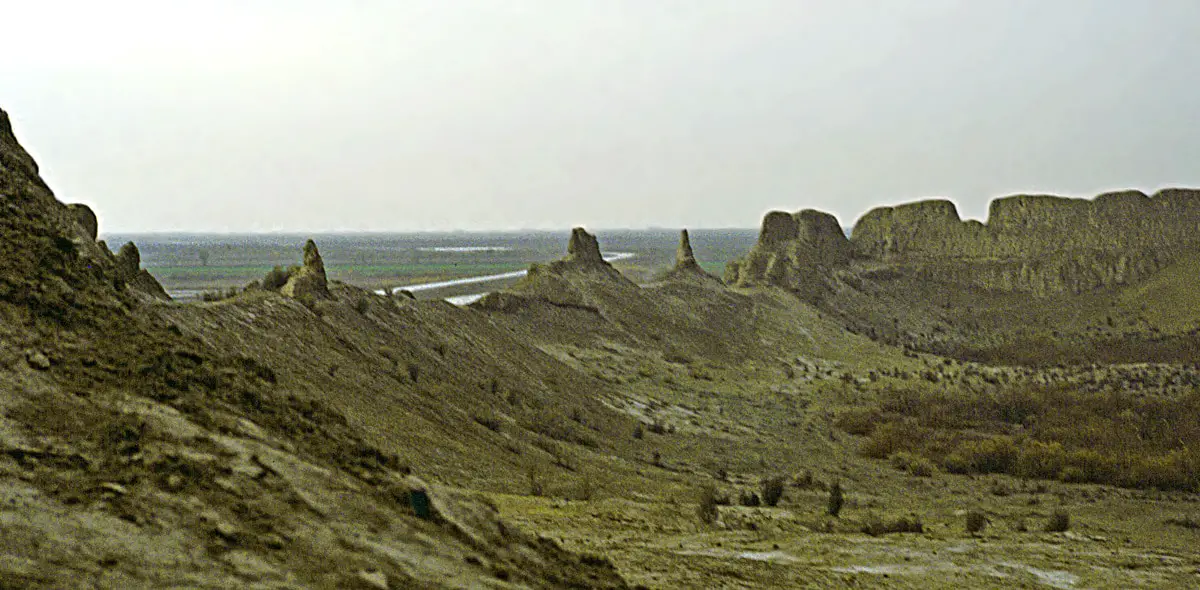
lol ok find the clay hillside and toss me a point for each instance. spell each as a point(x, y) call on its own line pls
point(929, 403)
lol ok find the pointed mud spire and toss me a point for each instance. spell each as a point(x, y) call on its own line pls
point(684, 258)
point(583, 247)
point(310, 279)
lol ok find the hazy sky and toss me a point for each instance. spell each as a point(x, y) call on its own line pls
point(493, 114)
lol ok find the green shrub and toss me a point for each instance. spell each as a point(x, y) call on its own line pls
point(836, 500)
point(859, 421)
point(976, 521)
point(1040, 460)
point(535, 481)
point(804, 479)
point(1186, 521)
point(913, 464)
point(876, 526)
point(706, 509)
point(277, 277)
point(996, 454)
point(888, 439)
point(1059, 522)
point(362, 306)
point(487, 421)
point(772, 490)
point(1072, 474)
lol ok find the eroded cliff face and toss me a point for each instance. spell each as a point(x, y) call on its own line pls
point(1037, 244)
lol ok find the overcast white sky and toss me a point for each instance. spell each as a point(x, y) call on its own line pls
point(480, 114)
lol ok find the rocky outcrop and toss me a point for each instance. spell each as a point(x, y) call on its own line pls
point(685, 259)
point(129, 269)
point(129, 260)
point(792, 248)
point(86, 219)
point(309, 280)
point(686, 267)
point(1037, 244)
point(583, 249)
